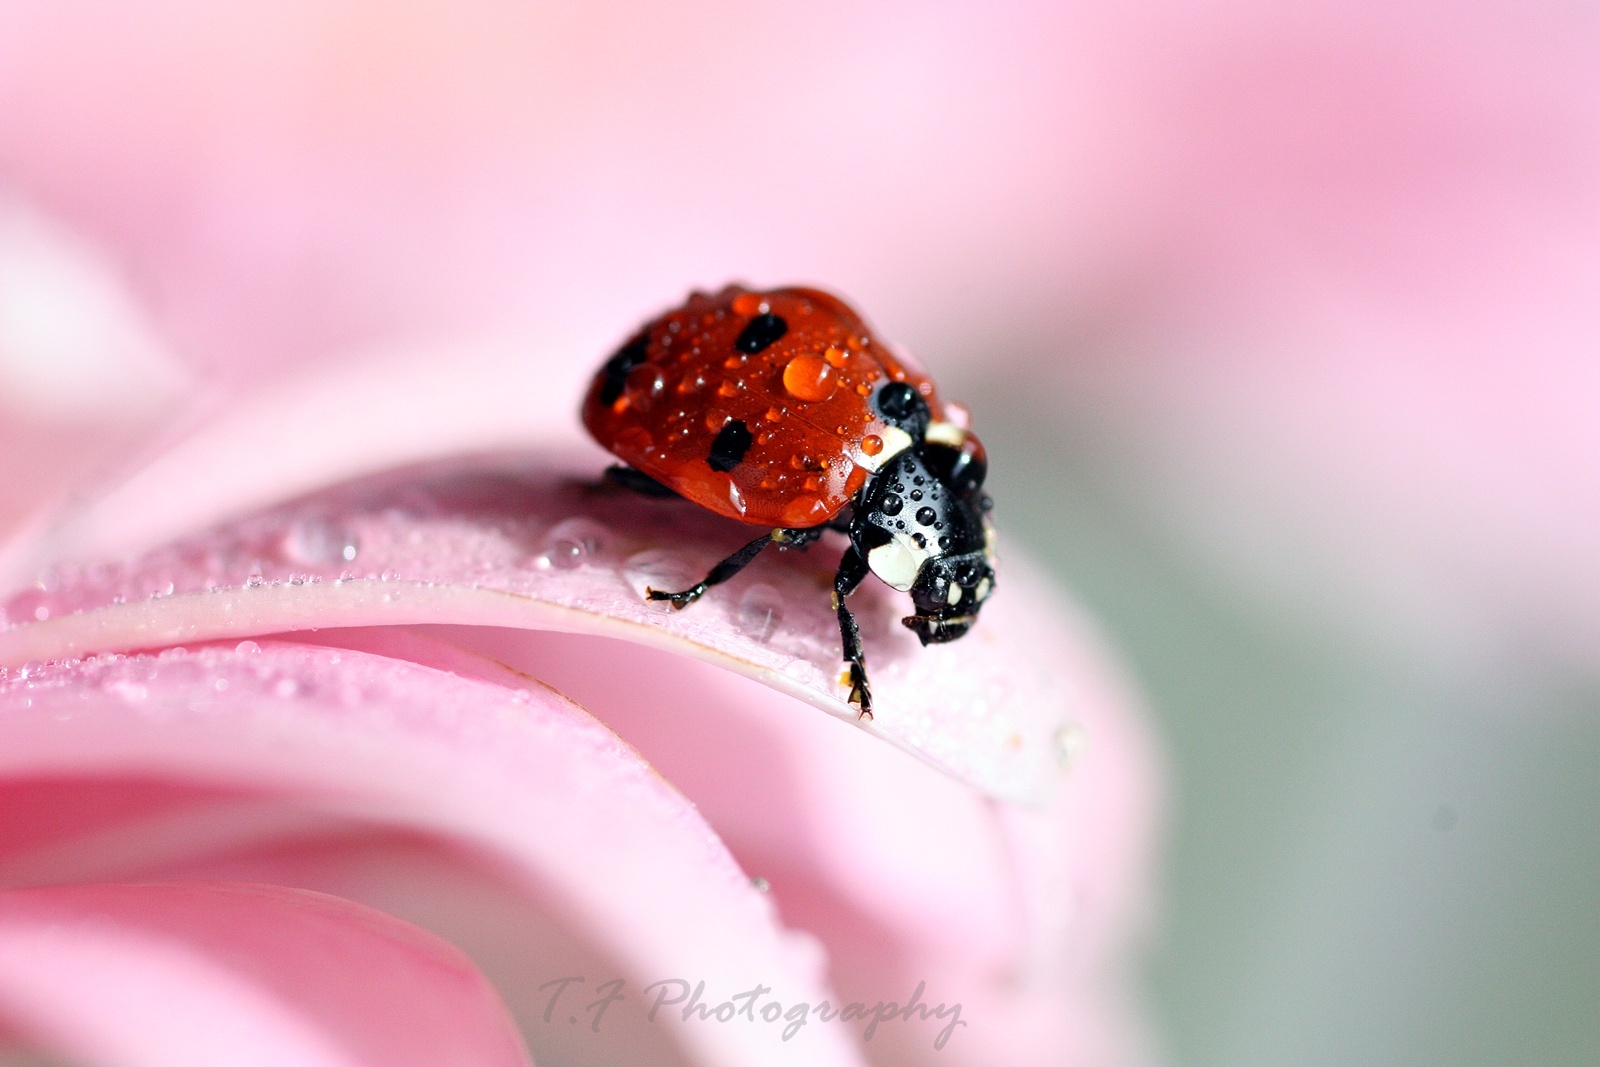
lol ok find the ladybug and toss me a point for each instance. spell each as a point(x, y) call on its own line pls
point(781, 409)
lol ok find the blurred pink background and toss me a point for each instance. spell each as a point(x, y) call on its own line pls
point(1281, 327)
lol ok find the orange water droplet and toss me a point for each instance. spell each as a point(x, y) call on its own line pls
point(835, 356)
point(800, 461)
point(804, 511)
point(774, 414)
point(748, 304)
point(813, 483)
point(715, 420)
point(809, 378)
point(863, 389)
point(620, 404)
point(728, 388)
point(872, 444)
point(732, 361)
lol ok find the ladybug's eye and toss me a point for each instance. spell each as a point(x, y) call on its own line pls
point(962, 469)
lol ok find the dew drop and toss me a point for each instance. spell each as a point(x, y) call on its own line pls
point(573, 542)
point(1069, 742)
point(132, 692)
point(661, 569)
point(750, 305)
point(872, 444)
point(809, 377)
point(835, 356)
point(286, 688)
point(804, 511)
point(319, 541)
point(760, 612)
point(247, 648)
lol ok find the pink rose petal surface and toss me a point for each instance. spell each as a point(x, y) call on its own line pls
point(511, 541)
point(519, 774)
point(202, 974)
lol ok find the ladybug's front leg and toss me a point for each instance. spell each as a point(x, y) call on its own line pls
point(852, 569)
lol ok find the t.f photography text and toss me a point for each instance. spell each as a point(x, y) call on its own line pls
point(573, 996)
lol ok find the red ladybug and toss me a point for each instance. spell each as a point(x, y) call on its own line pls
point(781, 409)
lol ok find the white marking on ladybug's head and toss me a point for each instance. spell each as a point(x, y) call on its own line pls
point(897, 563)
point(982, 592)
point(990, 538)
point(946, 433)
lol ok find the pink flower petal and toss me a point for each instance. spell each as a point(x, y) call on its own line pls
point(513, 542)
point(238, 974)
point(521, 775)
point(904, 875)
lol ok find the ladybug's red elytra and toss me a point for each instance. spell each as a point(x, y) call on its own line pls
point(780, 409)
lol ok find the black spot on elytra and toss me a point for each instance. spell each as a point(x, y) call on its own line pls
point(760, 332)
point(732, 442)
point(614, 375)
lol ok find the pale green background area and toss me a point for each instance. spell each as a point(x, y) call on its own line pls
point(1370, 859)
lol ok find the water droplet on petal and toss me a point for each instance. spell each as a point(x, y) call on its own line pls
point(661, 569)
point(132, 692)
point(760, 612)
point(319, 541)
point(247, 648)
point(1069, 742)
point(573, 542)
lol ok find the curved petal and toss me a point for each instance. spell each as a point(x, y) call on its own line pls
point(521, 775)
point(514, 542)
point(904, 876)
point(240, 974)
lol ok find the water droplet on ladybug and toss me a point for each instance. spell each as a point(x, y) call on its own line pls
point(775, 414)
point(808, 377)
point(728, 388)
point(749, 305)
point(926, 516)
point(804, 511)
point(892, 504)
point(835, 356)
point(872, 444)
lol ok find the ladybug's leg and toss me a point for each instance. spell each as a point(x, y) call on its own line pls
point(852, 569)
point(719, 574)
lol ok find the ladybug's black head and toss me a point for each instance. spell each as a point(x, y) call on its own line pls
point(948, 592)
